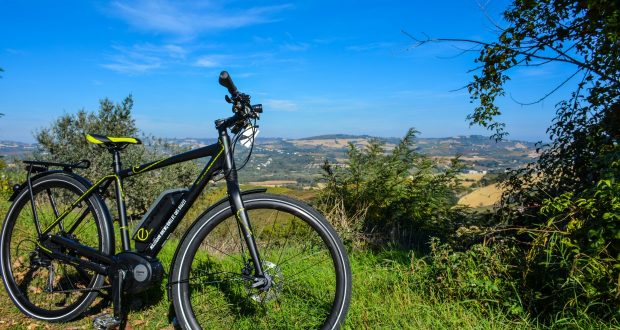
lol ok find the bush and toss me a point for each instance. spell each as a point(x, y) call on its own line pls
point(481, 272)
point(394, 196)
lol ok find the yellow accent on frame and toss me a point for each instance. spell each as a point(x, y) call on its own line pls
point(212, 162)
point(44, 248)
point(239, 219)
point(137, 169)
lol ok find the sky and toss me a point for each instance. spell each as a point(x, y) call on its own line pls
point(318, 67)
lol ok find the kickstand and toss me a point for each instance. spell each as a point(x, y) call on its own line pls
point(120, 314)
point(119, 319)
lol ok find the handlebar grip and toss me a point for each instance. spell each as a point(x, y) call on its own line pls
point(227, 82)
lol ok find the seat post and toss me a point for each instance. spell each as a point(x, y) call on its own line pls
point(120, 199)
point(116, 162)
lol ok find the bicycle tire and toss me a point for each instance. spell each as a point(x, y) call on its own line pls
point(41, 287)
point(291, 237)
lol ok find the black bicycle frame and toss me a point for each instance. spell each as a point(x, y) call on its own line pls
point(221, 160)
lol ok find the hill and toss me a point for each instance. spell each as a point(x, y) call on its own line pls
point(298, 161)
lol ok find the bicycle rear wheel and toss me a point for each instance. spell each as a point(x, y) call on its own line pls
point(40, 286)
point(308, 266)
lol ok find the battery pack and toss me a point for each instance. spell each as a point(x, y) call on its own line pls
point(156, 217)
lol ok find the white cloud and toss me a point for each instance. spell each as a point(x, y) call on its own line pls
point(296, 47)
point(281, 105)
point(191, 18)
point(140, 58)
point(371, 46)
point(126, 66)
point(208, 62)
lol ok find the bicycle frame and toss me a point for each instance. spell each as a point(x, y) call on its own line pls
point(221, 160)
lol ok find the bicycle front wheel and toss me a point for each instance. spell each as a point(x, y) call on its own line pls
point(300, 252)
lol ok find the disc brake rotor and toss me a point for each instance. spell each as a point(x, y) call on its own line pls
point(262, 295)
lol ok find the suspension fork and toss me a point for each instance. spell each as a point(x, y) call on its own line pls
point(236, 203)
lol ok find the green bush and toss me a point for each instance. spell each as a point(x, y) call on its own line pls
point(574, 260)
point(391, 196)
point(483, 272)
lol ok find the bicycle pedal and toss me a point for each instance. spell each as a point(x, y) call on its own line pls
point(106, 322)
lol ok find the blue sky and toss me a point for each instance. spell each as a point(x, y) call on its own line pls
point(318, 67)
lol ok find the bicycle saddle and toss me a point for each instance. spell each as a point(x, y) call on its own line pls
point(110, 141)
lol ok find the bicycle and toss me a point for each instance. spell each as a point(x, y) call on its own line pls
point(252, 259)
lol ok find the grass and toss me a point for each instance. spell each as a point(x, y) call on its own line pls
point(386, 295)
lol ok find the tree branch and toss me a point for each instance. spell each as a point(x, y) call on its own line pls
point(528, 53)
point(551, 92)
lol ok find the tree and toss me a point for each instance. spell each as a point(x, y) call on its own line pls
point(65, 140)
point(563, 209)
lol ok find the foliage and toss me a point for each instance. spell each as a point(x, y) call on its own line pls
point(65, 141)
point(574, 258)
point(391, 195)
point(564, 209)
point(5, 186)
point(481, 272)
point(583, 34)
point(565, 206)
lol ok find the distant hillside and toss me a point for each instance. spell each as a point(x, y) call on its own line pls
point(12, 148)
point(299, 160)
point(336, 136)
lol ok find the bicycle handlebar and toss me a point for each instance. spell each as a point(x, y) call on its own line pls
point(243, 110)
point(226, 81)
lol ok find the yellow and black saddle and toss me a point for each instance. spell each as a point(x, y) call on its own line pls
point(110, 141)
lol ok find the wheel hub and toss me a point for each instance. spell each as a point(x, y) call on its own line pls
point(266, 288)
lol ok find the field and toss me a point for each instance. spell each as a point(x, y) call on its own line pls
point(273, 183)
point(468, 179)
point(484, 196)
point(387, 287)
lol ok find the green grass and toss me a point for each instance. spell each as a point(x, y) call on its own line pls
point(386, 295)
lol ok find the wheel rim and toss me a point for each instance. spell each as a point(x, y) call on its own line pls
point(295, 257)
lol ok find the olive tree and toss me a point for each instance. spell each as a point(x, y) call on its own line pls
point(64, 140)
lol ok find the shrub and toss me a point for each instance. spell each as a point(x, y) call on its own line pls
point(393, 196)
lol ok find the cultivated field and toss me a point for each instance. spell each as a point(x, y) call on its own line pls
point(468, 179)
point(485, 196)
point(272, 183)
